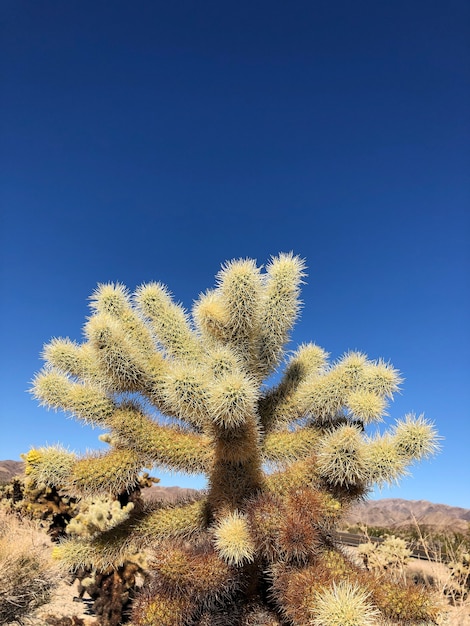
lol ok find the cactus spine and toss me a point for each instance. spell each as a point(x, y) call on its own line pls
point(282, 463)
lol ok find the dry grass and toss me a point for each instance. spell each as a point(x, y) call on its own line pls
point(28, 574)
point(438, 576)
point(455, 611)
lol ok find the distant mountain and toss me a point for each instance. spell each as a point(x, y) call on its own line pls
point(167, 494)
point(397, 513)
point(9, 469)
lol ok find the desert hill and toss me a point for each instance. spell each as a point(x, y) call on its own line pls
point(9, 469)
point(167, 494)
point(398, 513)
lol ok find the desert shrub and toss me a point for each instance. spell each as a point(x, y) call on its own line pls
point(458, 587)
point(391, 555)
point(28, 573)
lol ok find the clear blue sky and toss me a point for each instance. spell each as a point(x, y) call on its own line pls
point(153, 140)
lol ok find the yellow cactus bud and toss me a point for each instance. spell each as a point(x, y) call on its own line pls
point(31, 459)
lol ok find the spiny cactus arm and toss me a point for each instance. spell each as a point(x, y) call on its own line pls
point(50, 465)
point(113, 472)
point(57, 391)
point(346, 387)
point(122, 362)
point(175, 521)
point(281, 308)
point(210, 317)
point(140, 530)
point(416, 438)
point(346, 457)
point(70, 358)
point(404, 603)
point(232, 482)
point(240, 287)
point(353, 385)
point(233, 400)
point(381, 378)
point(343, 604)
point(201, 574)
point(166, 446)
point(178, 391)
point(279, 404)
point(301, 474)
point(114, 299)
point(221, 361)
point(168, 321)
point(185, 393)
point(286, 446)
point(236, 471)
point(96, 515)
point(235, 445)
point(153, 606)
point(215, 392)
point(386, 465)
point(92, 364)
point(306, 595)
point(341, 457)
point(320, 397)
point(365, 406)
point(239, 283)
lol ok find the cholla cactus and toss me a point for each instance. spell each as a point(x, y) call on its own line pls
point(458, 588)
point(97, 515)
point(391, 555)
point(188, 393)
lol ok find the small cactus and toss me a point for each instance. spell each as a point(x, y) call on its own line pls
point(390, 555)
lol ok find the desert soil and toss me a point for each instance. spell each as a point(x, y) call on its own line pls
point(64, 603)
